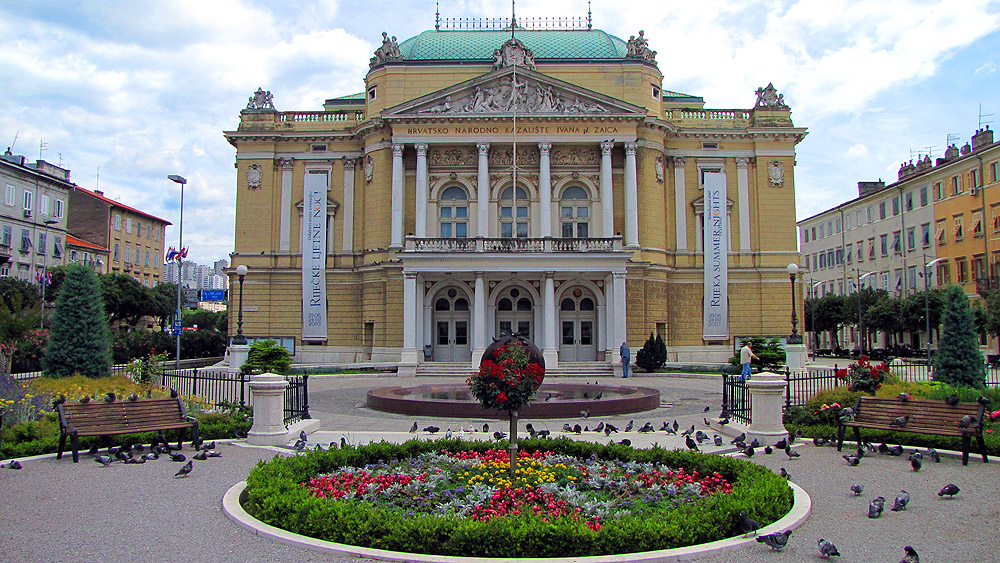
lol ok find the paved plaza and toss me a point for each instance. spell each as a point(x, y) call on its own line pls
point(60, 511)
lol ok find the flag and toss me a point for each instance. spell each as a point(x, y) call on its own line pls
point(183, 253)
point(171, 253)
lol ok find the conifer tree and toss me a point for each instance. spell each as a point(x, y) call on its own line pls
point(79, 338)
point(958, 360)
point(652, 355)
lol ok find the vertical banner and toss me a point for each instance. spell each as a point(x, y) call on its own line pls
point(314, 256)
point(716, 252)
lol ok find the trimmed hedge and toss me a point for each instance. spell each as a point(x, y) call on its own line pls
point(275, 496)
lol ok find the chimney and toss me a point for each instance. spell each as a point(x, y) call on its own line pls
point(99, 192)
point(51, 170)
point(982, 138)
point(866, 188)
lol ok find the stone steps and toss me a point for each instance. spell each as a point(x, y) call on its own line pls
point(569, 369)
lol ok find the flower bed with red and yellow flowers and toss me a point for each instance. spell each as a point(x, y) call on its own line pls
point(566, 498)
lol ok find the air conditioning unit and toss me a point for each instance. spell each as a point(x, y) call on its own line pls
point(27, 213)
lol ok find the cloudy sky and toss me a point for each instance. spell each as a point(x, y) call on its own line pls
point(139, 90)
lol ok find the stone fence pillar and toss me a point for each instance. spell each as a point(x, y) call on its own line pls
point(767, 397)
point(238, 354)
point(268, 391)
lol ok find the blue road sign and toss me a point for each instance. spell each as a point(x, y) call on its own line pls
point(177, 325)
point(213, 295)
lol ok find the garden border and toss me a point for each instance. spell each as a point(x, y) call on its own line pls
point(233, 508)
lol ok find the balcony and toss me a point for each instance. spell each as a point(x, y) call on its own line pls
point(513, 245)
point(4, 253)
point(984, 286)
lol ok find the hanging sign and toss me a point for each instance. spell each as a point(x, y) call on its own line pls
point(314, 257)
point(716, 252)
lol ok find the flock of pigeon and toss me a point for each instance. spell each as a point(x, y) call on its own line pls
point(159, 447)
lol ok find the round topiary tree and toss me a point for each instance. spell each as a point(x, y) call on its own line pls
point(79, 337)
point(958, 360)
point(509, 374)
point(267, 356)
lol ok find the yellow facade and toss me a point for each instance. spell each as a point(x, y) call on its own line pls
point(427, 128)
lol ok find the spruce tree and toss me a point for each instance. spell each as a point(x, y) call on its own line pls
point(79, 338)
point(958, 360)
point(661, 351)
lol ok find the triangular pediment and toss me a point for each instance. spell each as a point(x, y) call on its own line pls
point(508, 90)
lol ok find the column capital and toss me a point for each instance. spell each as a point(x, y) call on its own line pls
point(606, 147)
point(480, 274)
point(286, 163)
point(630, 148)
point(548, 275)
point(742, 162)
point(618, 275)
point(421, 149)
point(410, 275)
point(544, 148)
point(679, 161)
point(349, 163)
point(484, 149)
point(397, 150)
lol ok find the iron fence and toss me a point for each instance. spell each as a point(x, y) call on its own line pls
point(800, 387)
point(214, 386)
point(296, 399)
point(736, 399)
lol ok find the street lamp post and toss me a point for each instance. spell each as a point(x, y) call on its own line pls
point(180, 261)
point(239, 339)
point(927, 305)
point(48, 223)
point(794, 337)
point(861, 329)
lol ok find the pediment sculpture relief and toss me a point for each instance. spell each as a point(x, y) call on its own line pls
point(510, 94)
point(576, 156)
point(452, 156)
point(504, 157)
point(513, 52)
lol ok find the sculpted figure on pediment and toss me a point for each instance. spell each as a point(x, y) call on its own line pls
point(452, 156)
point(638, 48)
point(509, 94)
point(576, 156)
point(388, 51)
point(513, 52)
point(504, 157)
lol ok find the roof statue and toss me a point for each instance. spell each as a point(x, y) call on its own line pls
point(770, 98)
point(513, 52)
point(638, 48)
point(261, 100)
point(388, 51)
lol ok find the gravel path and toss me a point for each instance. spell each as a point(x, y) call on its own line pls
point(60, 511)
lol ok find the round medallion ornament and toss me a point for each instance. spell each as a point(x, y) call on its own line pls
point(776, 173)
point(254, 176)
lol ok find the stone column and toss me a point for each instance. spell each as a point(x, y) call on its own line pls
point(238, 354)
point(483, 191)
point(743, 200)
point(680, 205)
point(285, 230)
point(348, 239)
point(418, 325)
point(396, 227)
point(479, 321)
point(545, 188)
point(549, 352)
point(631, 198)
point(609, 319)
point(420, 209)
point(767, 396)
point(620, 321)
point(268, 392)
point(408, 356)
point(607, 190)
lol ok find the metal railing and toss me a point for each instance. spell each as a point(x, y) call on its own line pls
point(123, 369)
point(736, 404)
point(514, 244)
point(214, 386)
point(296, 399)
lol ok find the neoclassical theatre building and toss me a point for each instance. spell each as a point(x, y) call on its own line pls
point(540, 181)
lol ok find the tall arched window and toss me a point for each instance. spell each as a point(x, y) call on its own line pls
point(514, 213)
point(453, 213)
point(574, 213)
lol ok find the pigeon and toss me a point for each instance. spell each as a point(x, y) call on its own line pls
point(151, 456)
point(120, 454)
point(781, 444)
point(669, 429)
point(177, 457)
point(196, 444)
point(303, 436)
point(548, 396)
point(932, 453)
point(631, 424)
point(173, 393)
point(857, 489)
point(133, 397)
point(332, 446)
point(951, 399)
point(705, 420)
point(747, 524)
point(748, 451)
point(448, 433)
point(723, 421)
point(950, 489)
point(700, 436)
point(586, 395)
point(110, 397)
point(544, 433)
point(93, 448)
point(875, 507)
point(901, 421)
point(785, 473)
point(343, 442)
point(200, 456)
point(707, 409)
point(904, 396)
point(827, 549)
point(566, 427)
point(718, 440)
point(895, 451)
point(819, 442)
point(239, 434)
point(219, 454)
point(486, 427)
point(586, 414)
point(776, 541)
point(577, 429)
point(104, 460)
point(300, 445)
point(529, 427)
point(915, 463)
point(967, 421)
point(982, 400)
point(85, 399)
point(791, 453)
point(625, 442)
point(185, 469)
point(598, 396)
point(911, 556)
point(754, 443)
point(413, 429)
point(665, 427)
point(599, 427)
point(608, 428)
point(691, 445)
point(433, 429)
point(209, 446)
point(860, 452)
point(902, 499)
point(135, 460)
point(768, 450)
point(851, 460)
point(689, 431)
point(316, 448)
point(14, 464)
point(646, 428)
point(59, 401)
point(498, 435)
point(741, 438)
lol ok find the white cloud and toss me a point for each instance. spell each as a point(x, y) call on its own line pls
point(988, 68)
point(858, 151)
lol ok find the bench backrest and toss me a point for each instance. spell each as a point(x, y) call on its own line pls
point(931, 417)
point(134, 416)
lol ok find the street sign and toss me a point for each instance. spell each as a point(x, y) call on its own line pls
point(213, 295)
point(191, 298)
point(177, 324)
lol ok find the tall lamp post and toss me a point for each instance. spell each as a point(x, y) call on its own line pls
point(239, 339)
point(48, 223)
point(927, 304)
point(794, 337)
point(180, 261)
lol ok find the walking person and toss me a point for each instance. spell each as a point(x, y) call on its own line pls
point(745, 355)
point(626, 355)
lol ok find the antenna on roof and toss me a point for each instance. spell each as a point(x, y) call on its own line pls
point(590, 19)
point(16, 133)
point(97, 184)
point(42, 145)
point(982, 115)
point(437, 16)
point(951, 139)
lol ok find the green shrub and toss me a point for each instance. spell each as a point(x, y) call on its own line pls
point(267, 356)
point(79, 338)
point(274, 495)
point(958, 360)
point(769, 350)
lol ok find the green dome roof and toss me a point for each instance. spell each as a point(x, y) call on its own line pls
point(475, 45)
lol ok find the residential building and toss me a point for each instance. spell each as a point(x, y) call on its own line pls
point(546, 184)
point(87, 253)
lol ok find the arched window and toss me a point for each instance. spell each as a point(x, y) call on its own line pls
point(514, 213)
point(505, 305)
point(567, 305)
point(453, 213)
point(574, 212)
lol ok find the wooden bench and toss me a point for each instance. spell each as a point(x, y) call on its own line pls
point(100, 418)
point(926, 417)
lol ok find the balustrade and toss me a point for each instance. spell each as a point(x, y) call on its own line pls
point(611, 244)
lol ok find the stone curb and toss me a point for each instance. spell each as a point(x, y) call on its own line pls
point(801, 507)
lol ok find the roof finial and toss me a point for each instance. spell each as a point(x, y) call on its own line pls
point(513, 19)
point(437, 16)
point(590, 20)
